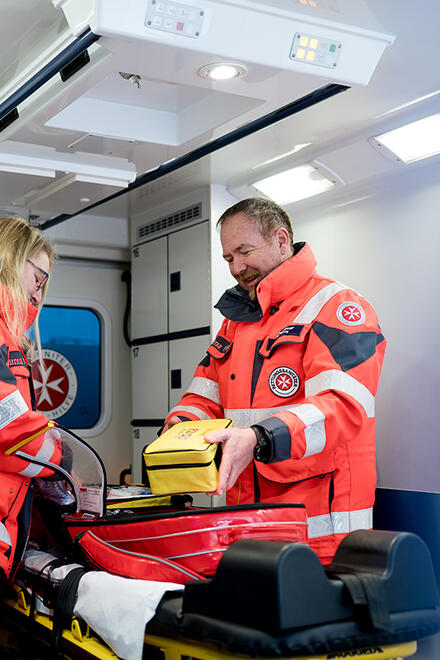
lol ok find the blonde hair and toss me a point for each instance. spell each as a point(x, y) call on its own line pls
point(18, 243)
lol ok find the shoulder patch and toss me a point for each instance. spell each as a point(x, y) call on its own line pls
point(221, 344)
point(16, 359)
point(350, 313)
point(219, 347)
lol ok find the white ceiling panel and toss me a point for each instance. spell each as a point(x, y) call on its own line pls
point(169, 110)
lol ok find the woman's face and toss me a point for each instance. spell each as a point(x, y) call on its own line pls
point(35, 273)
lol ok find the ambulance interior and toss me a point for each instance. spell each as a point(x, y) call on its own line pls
point(115, 140)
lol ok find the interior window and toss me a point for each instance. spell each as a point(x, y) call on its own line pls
point(69, 391)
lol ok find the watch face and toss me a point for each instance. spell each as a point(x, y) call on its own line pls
point(261, 451)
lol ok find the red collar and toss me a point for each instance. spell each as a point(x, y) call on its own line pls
point(275, 287)
point(31, 311)
point(285, 279)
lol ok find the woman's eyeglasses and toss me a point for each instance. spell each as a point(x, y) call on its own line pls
point(41, 276)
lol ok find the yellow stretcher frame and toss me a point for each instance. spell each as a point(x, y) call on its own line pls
point(82, 638)
point(177, 649)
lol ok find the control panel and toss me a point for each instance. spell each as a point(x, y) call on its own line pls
point(174, 17)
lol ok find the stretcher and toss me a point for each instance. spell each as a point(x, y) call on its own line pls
point(79, 641)
point(238, 581)
point(272, 599)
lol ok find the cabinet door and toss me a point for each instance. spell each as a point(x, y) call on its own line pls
point(141, 437)
point(150, 289)
point(150, 381)
point(189, 278)
point(185, 354)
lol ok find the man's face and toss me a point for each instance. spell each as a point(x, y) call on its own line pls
point(249, 254)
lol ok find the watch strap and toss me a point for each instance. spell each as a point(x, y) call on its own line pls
point(263, 448)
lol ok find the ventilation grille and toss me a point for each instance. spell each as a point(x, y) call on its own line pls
point(168, 221)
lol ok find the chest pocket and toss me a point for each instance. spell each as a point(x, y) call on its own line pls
point(290, 334)
point(278, 374)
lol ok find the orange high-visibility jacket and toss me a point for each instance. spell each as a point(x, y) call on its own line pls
point(304, 364)
point(18, 421)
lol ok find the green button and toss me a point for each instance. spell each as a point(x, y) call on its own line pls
point(332, 48)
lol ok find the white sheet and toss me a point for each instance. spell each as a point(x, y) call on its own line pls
point(118, 609)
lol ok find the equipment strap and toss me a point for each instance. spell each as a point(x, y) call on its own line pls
point(64, 603)
point(368, 597)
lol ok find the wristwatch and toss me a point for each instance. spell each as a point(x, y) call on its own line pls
point(263, 448)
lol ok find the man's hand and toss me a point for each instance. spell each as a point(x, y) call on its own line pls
point(238, 452)
point(170, 423)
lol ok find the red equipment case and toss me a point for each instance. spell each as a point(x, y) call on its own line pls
point(181, 545)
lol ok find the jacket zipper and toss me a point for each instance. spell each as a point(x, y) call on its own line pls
point(251, 506)
point(331, 493)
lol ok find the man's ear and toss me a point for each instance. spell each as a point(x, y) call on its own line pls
point(283, 237)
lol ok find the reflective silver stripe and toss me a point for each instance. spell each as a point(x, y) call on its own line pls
point(205, 387)
point(199, 530)
point(11, 407)
point(44, 454)
point(4, 536)
point(191, 409)
point(342, 382)
point(340, 522)
point(244, 417)
point(314, 431)
point(196, 554)
point(309, 414)
point(155, 558)
point(312, 308)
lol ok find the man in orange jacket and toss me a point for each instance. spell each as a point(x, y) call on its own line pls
point(25, 262)
point(296, 367)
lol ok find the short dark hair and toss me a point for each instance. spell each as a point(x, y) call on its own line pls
point(267, 214)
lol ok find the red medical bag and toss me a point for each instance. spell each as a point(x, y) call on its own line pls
point(181, 545)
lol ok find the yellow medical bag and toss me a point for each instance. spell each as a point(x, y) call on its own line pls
point(181, 461)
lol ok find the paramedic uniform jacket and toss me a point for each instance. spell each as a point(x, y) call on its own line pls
point(304, 363)
point(18, 421)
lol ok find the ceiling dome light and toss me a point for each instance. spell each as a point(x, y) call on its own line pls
point(222, 71)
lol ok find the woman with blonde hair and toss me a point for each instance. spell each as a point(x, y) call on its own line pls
point(26, 258)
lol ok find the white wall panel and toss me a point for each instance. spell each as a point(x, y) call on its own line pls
point(387, 247)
